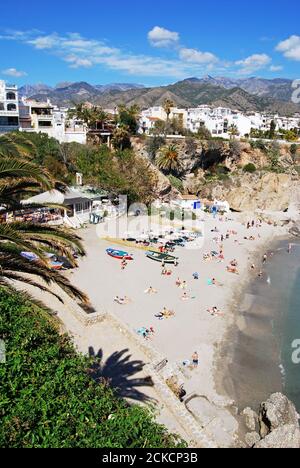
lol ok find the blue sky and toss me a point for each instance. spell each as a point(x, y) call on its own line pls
point(153, 43)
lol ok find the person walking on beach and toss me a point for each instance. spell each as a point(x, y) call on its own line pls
point(265, 258)
point(290, 249)
point(195, 359)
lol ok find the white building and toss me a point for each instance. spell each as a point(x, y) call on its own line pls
point(43, 117)
point(217, 120)
point(150, 116)
point(9, 108)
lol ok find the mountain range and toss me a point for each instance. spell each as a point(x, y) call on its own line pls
point(246, 95)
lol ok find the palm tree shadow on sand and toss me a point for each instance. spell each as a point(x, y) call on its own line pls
point(119, 371)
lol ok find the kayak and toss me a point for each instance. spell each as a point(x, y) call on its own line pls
point(119, 254)
point(160, 257)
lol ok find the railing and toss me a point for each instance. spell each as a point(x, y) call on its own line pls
point(12, 113)
point(8, 128)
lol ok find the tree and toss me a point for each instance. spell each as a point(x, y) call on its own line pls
point(273, 154)
point(17, 145)
point(233, 131)
point(168, 160)
point(191, 146)
point(94, 117)
point(203, 133)
point(272, 130)
point(235, 149)
point(50, 396)
point(121, 138)
point(153, 146)
point(129, 117)
point(20, 177)
point(294, 152)
point(168, 105)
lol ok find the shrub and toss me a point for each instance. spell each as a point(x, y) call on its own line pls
point(48, 398)
point(249, 168)
point(176, 183)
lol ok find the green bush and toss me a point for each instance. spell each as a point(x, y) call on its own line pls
point(249, 168)
point(176, 183)
point(47, 395)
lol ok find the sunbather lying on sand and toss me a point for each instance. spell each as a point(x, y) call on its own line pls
point(185, 297)
point(234, 270)
point(215, 312)
point(165, 314)
point(122, 300)
point(151, 291)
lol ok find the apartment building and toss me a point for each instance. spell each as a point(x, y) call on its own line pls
point(9, 107)
point(43, 117)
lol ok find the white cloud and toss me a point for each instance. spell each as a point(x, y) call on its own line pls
point(81, 52)
point(161, 37)
point(253, 63)
point(276, 68)
point(196, 56)
point(290, 48)
point(45, 42)
point(77, 62)
point(14, 72)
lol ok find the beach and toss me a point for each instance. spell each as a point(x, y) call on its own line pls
point(193, 328)
point(227, 340)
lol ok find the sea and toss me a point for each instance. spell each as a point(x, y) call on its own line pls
point(262, 352)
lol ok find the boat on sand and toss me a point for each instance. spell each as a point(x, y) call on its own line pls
point(119, 254)
point(161, 257)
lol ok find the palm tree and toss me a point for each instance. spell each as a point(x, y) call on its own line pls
point(233, 131)
point(121, 138)
point(168, 160)
point(19, 176)
point(18, 237)
point(16, 144)
point(168, 106)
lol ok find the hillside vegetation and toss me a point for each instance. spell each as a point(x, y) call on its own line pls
point(48, 397)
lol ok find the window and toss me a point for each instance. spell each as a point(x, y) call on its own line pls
point(45, 123)
point(11, 107)
point(10, 96)
point(1, 106)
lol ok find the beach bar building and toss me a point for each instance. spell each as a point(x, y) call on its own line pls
point(78, 205)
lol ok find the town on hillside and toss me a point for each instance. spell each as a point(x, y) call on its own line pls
point(62, 123)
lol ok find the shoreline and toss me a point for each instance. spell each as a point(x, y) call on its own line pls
point(231, 345)
point(193, 328)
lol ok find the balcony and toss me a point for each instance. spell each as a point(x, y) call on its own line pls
point(44, 117)
point(13, 113)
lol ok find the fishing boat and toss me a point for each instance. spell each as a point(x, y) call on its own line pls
point(119, 254)
point(160, 257)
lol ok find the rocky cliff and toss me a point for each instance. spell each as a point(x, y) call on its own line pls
point(276, 425)
point(216, 170)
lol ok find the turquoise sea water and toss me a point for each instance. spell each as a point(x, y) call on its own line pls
point(259, 357)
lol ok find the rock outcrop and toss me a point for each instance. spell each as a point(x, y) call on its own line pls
point(275, 426)
point(249, 192)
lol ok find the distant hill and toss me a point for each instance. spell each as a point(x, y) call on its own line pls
point(66, 92)
point(247, 95)
point(278, 88)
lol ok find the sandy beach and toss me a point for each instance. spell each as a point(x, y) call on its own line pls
point(208, 416)
point(192, 328)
